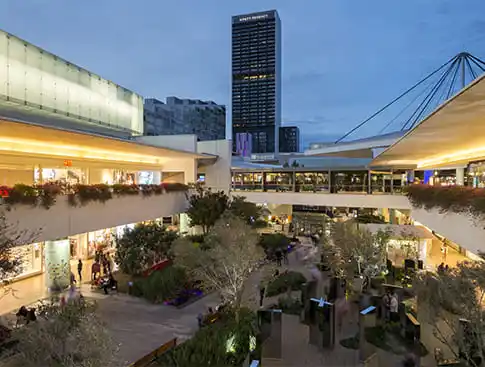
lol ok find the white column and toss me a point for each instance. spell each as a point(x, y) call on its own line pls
point(460, 176)
point(410, 176)
point(157, 177)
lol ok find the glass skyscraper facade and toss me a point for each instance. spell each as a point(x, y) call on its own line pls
point(256, 79)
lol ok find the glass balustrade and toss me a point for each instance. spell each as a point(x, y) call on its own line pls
point(321, 182)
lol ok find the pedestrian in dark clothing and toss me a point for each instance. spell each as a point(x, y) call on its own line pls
point(285, 255)
point(80, 270)
point(278, 257)
point(262, 290)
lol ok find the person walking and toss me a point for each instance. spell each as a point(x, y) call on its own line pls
point(262, 290)
point(80, 270)
point(278, 257)
point(285, 255)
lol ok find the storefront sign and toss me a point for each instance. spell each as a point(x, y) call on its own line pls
point(67, 163)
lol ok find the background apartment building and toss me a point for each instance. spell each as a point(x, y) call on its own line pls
point(206, 119)
point(289, 139)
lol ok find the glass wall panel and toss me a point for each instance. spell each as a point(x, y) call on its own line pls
point(84, 95)
point(350, 181)
point(48, 83)
point(311, 182)
point(96, 100)
point(248, 181)
point(28, 74)
point(73, 103)
point(111, 115)
point(16, 69)
point(380, 182)
point(3, 64)
point(33, 82)
point(62, 86)
point(278, 181)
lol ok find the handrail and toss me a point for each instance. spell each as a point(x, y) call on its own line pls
point(150, 357)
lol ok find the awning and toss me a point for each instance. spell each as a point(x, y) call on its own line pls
point(453, 134)
point(30, 142)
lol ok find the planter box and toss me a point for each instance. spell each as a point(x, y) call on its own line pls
point(62, 220)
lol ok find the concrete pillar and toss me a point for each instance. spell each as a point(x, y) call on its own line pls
point(460, 176)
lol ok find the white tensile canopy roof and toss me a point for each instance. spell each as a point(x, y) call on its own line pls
point(452, 135)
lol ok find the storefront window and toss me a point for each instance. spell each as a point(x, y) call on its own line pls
point(101, 240)
point(351, 181)
point(311, 181)
point(71, 176)
point(145, 178)
point(247, 181)
point(476, 174)
point(278, 181)
point(380, 182)
point(123, 177)
point(30, 257)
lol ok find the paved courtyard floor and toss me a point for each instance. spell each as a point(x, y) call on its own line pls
point(139, 327)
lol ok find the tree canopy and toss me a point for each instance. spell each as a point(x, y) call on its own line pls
point(207, 206)
point(143, 246)
point(231, 253)
point(452, 303)
point(352, 250)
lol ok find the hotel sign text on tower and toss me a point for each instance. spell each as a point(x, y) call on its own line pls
point(253, 17)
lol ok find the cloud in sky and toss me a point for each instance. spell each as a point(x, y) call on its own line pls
point(342, 60)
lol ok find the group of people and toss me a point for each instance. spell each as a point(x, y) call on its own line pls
point(390, 303)
point(442, 268)
point(101, 275)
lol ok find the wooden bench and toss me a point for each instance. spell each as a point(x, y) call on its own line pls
point(150, 357)
point(413, 328)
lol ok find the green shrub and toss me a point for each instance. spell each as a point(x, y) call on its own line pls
point(279, 285)
point(273, 241)
point(208, 346)
point(160, 285)
point(291, 306)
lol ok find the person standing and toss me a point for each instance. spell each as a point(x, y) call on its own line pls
point(80, 270)
point(278, 257)
point(386, 305)
point(262, 290)
point(394, 307)
point(95, 270)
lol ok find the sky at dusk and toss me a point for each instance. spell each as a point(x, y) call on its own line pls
point(342, 59)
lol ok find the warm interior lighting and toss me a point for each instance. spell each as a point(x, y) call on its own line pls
point(462, 155)
point(72, 151)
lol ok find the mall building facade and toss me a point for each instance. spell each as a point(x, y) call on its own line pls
point(62, 124)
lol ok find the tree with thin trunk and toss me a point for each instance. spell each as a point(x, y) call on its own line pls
point(10, 256)
point(229, 256)
point(452, 304)
point(352, 250)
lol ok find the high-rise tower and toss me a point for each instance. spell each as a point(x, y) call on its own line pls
point(256, 79)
